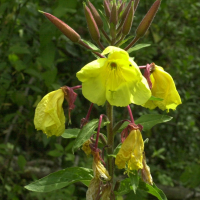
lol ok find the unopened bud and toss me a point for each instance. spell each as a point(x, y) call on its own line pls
point(107, 9)
point(136, 4)
point(148, 18)
point(114, 15)
point(96, 15)
point(128, 21)
point(92, 26)
point(64, 28)
point(126, 11)
point(120, 10)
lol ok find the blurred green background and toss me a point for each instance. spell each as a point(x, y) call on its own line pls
point(35, 58)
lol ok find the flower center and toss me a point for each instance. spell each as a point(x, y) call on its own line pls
point(113, 65)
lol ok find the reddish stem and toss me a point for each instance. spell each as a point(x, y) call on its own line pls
point(142, 67)
point(89, 112)
point(98, 130)
point(76, 87)
point(130, 113)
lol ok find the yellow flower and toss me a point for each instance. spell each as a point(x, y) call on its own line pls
point(49, 114)
point(116, 79)
point(163, 87)
point(131, 152)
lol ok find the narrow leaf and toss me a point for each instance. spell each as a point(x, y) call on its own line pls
point(152, 189)
point(94, 48)
point(60, 179)
point(138, 46)
point(86, 132)
point(148, 121)
point(71, 133)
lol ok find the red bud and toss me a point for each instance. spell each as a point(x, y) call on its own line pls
point(148, 18)
point(95, 15)
point(92, 26)
point(64, 28)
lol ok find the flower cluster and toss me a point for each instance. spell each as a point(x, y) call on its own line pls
point(114, 78)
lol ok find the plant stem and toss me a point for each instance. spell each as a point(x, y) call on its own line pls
point(110, 141)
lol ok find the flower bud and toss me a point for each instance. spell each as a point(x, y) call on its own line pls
point(120, 9)
point(92, 26)
point(64, 28)
point(128, 21)
point(136, 2)
point(96, 15)
point(114, 15)
point(107, 9)
point(148, 18)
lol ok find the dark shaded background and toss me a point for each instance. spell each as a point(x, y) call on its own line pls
point(35, 58)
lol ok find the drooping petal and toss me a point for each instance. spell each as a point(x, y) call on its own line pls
point(131, 152)
point(100, 171)
point(163, 87)
point(49, 114)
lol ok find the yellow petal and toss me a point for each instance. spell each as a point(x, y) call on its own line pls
point(49, 114)
point(131, 152)
point(116, 79)
point(163, 87)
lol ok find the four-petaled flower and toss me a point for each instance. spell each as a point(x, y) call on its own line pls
point(116, 79)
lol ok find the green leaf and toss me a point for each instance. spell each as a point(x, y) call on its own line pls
point(137, 47)
point(152, 189)
point(86, 132)
point(71, 133)
point(21, 161)
point(60, 179)
point(96, 49)
point(124, 41)
point(124, 188)
point(148, 121)
point(55, 153)
point(152, 98)
point(134, 178)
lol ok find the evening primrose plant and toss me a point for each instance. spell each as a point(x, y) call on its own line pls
point(112, 79)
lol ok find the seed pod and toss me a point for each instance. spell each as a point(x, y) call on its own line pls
point(148, 18)
point(64, 28)
point(96, 15)
point(107, 9)
point(92, 26)
point(128, 21)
